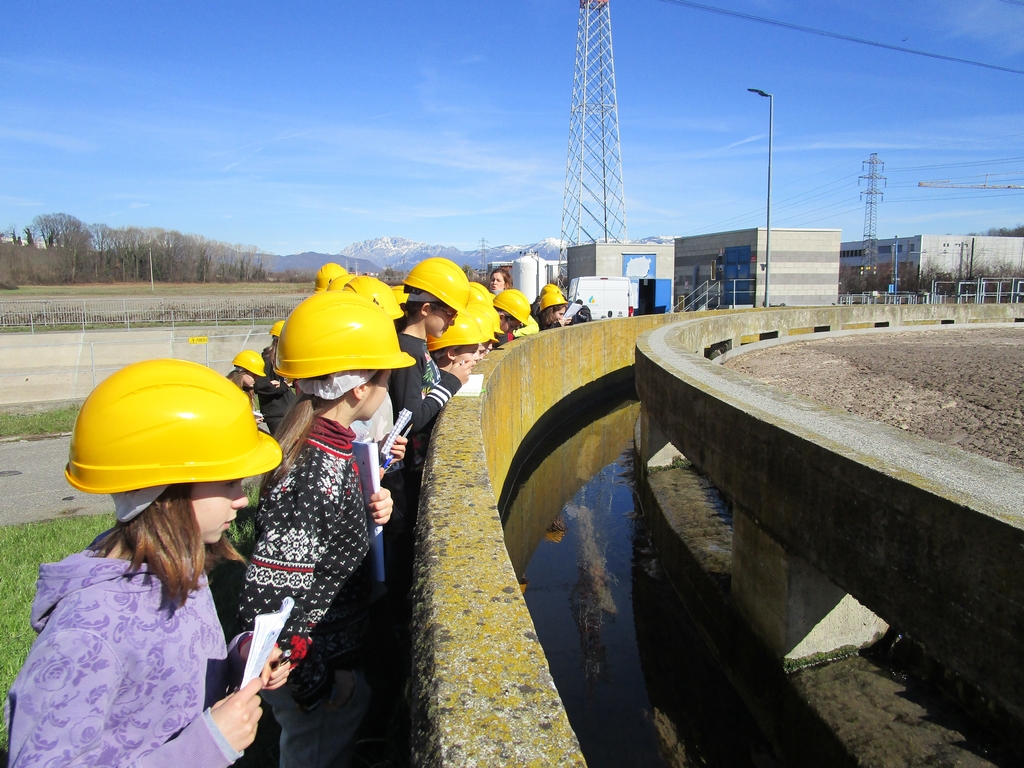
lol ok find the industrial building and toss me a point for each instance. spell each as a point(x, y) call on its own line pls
point(633, 260)
point(963, 257)
point(729, 267)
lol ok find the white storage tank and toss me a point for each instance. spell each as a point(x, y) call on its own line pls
point(529, 274)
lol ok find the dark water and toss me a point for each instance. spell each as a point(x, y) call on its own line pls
point(639, 684)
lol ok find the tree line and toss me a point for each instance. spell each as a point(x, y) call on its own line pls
point(57, 248)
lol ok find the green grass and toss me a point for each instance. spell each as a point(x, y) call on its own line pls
point(48, 423)
point(24, 547)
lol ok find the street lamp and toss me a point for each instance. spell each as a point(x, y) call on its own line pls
point(768, 238)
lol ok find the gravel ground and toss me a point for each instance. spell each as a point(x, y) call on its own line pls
point(965, 388)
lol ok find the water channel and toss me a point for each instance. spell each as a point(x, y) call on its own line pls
point(639, 684)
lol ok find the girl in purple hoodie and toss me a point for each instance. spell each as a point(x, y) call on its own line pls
point(130, 667)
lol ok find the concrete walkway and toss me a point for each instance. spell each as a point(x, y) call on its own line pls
point(32, 484)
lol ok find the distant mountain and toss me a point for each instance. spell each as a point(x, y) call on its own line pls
point(398, 253)
point(401, 254)
point(311, 261)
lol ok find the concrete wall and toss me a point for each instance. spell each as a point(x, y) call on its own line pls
point(922, 534)
point(59, 366)
point(804, 262)
point(483, 694)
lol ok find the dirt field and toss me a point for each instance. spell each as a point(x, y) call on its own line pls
point(120, 290)
point(965, 388)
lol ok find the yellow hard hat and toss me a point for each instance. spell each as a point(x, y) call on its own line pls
point(466, 329)
point(478, 293)
point(495, 321)
point(338, 283)
point(327, 272)
point(275, 329)
point(337, 331)
point(160, 422)
point(550, 288)
point(515, 303)
point(378, 292)
point(552, 299)
point(488, 318)
point(442, 278)
point(400, 295)
point(250, 361)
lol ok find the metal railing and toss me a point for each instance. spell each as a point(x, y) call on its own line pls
point(49, 314)
point(984, 290)
point(704, 296)
point(880, 297)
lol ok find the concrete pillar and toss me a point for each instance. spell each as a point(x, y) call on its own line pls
point(789, 603)
point(654, 447)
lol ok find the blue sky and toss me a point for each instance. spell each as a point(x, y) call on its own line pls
point(308, 126)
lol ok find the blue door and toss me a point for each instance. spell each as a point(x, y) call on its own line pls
point(738, 285)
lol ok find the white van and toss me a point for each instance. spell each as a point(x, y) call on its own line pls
point(604, 296)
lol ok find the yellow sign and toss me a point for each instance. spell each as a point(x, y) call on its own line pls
point(198, 340)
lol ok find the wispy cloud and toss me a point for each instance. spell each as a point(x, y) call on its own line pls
point(47, 139)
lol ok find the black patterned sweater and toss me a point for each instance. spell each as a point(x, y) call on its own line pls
point(312, 540)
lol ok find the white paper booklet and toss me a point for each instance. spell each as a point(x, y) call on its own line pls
point(473, 387)
point(264, 634)
point(570, 313)
point(365, 456)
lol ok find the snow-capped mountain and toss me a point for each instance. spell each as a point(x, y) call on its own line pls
point(401, 254)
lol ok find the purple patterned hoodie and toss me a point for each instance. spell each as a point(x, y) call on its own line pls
point(117, 677)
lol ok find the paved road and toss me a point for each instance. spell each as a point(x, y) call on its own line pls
point(32, 484)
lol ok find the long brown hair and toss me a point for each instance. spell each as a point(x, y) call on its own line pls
point(166, 538)
point(292, 435)
point(235, 377)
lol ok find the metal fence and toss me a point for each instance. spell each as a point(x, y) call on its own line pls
point(990, 290)
point(47, 314)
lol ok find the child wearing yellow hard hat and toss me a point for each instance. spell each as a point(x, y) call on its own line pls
point(312, 522)
point(552, 308)
point(130, 665)
point(274, 393)
point(462, 344)
point(249, 367)
point(437, 291)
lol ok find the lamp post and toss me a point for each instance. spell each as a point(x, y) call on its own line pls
point(768, 238)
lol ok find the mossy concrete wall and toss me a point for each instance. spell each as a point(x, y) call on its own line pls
point(923, 534)
point(482, 690)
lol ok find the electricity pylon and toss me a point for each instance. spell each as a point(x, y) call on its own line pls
point(594, 208)
point(873, 176)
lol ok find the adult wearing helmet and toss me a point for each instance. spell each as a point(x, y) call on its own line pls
point(130, 648)
point(312, 538)
point(274, 394)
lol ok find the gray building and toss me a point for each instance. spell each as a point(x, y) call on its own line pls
point(630, 260)
point(804, 266)
point(962, 256)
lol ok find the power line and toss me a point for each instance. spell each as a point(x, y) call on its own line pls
point(1014, 2)
point(957, 165)
point(837, 36)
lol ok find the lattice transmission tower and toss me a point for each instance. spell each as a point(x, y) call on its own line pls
point(594, 208)
point(874, 167)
